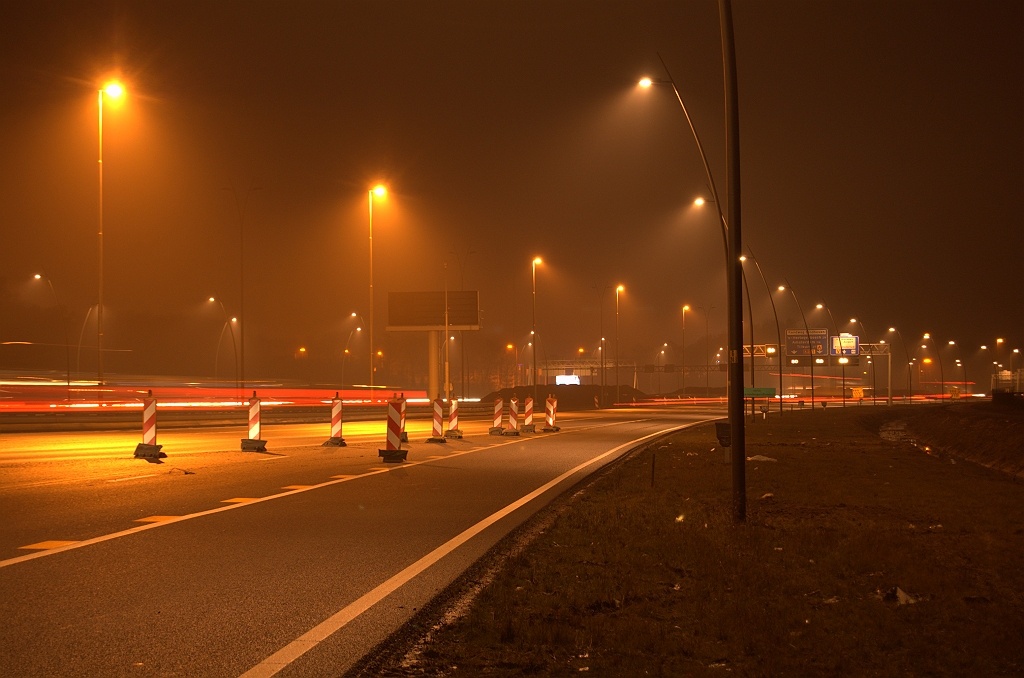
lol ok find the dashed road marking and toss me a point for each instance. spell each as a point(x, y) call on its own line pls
point(342, 477)
point(155, 519)
point(118, 480)
point(296, 487)
point(238, 500)
point(44, 545)
point(276, 456)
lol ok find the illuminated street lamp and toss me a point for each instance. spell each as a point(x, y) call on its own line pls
point(778, 330)
point(228, 325)
point(378, 191)
point(64, 327)
point(810, 351)
point(113, 90)
point(618, 290)
point(533, 272)
point(910, 383)
point(938, 354)
point(686, 307)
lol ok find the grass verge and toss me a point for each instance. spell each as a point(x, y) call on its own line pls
point(631, 579)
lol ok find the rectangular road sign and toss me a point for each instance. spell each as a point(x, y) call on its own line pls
point(797, 344)
point(845, 345)
point(758, 392)
point(418, 311)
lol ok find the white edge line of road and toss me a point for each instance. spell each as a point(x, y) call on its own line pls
point(221, 509)
point(307, 641)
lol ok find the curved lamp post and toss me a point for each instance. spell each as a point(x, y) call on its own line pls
point(64, 327)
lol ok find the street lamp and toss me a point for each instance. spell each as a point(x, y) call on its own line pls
point(707, 349)
point(910, 383)
point(836, 328)
point(938, 355)
point(778, 331)
point(686, 307)
point(64, 327)
point(618, 290)
point(810, 348)
point(533, 272)
point(234, 348)
point(378, 191)
point(114, 90)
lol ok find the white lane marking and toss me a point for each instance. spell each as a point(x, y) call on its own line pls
point(276, 456)
point(119, 480)
point(307, 641)
point(220, 509)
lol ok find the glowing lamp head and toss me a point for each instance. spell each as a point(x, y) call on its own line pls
point(819, 307)
point(353, 314)
point(380, 191)
point(927, 335)
point(37, 276)
point(537, 261)
point(686, 307)
point(302, 349)
point(579, 350)
point(984, 348)
point(743, 258)
point(114, 90)
point(698, 202)
point(926, 361)
point(853, 320)
point(234, 320)
point(212, 299)
point(509, 346)
point(346, 351)
point(380, 354)
point(952, 343)
point(782, 288)
point(645, 82)
point(620, 288)
point(999, 341)
point(892, 329)
point(359, 329)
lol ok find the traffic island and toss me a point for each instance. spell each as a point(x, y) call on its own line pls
point(860, 556)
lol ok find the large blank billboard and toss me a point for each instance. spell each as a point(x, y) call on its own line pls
point(418, 311)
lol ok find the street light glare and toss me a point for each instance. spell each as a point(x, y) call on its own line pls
point(686, 307)
point(853, 320)
point(984, 348)
point(892, 329)
point(359, 329)
point(353, 314)
point(782, 288)
point(380, 191)
point(508, 346)
point(620, 288)
point(698, 202)
point(952, 343)
point(819, 307)
point(234, 320)
point(645, 82)
point(113, 90)
point(537, 261)
point(743, 257)
point(927, 335)
point(37, 276)
point(212, 299)
point(999, 341)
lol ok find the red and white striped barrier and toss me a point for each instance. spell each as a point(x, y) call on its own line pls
point(336, 415)
point(253, 442)
point(528, 426)
point(551, 415)
point(453, 420)
point(148, 449)
point(437, 434)
point(393, 452)
point(513, 418)
point(499, 409)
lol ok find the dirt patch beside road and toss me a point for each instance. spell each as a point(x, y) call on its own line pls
point(859, 557)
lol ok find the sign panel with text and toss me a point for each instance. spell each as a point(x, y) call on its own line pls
point(845, 345)
point(813, 341)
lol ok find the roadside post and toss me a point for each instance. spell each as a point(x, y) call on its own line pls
point(453, 420)
point(148, 449)
point(551, 416)
point(513, 418)
point(528, 425)
point(336, 413)
point(393, 452)
point(404, 435)
point(499, 408)
point(253, 443)
point(437, 435)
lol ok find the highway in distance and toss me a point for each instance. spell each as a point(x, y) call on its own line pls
point(292, 563)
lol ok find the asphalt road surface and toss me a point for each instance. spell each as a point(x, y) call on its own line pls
point(293, 563)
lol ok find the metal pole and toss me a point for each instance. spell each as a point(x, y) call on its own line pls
point(64, 326)
point(683, 366)
point(750, 312)
point(735, 268)
point(836, 328)
point(99, 304)
point(533, 272)
point(369, 200)
point(807, 330)
point(906, 351)
point(778, 331)
point(616, 345)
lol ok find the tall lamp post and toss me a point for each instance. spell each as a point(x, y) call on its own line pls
point(778, 331)
point(906, 352)
point(63, 325)
point(114, 90)
point(938, 356)
point(836, 328)
point(810, 349)
point(960, 362)
point(874, 394)
point(380, 192)
point(533, 273)
point(618, 290)
point(686, 307)
point(707, 349)
point(234, 347)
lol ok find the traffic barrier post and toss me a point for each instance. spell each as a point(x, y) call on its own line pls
point(405, 436)
point(148, 449)
point(336, 413)
point(499, 408)
point(393, 452)
point(437, 435)
point(253, 443)
point(453, 420)
point(513, 418)
point(551, 416)
point(528, 425)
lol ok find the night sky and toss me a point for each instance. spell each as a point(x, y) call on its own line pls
point(882, 165)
